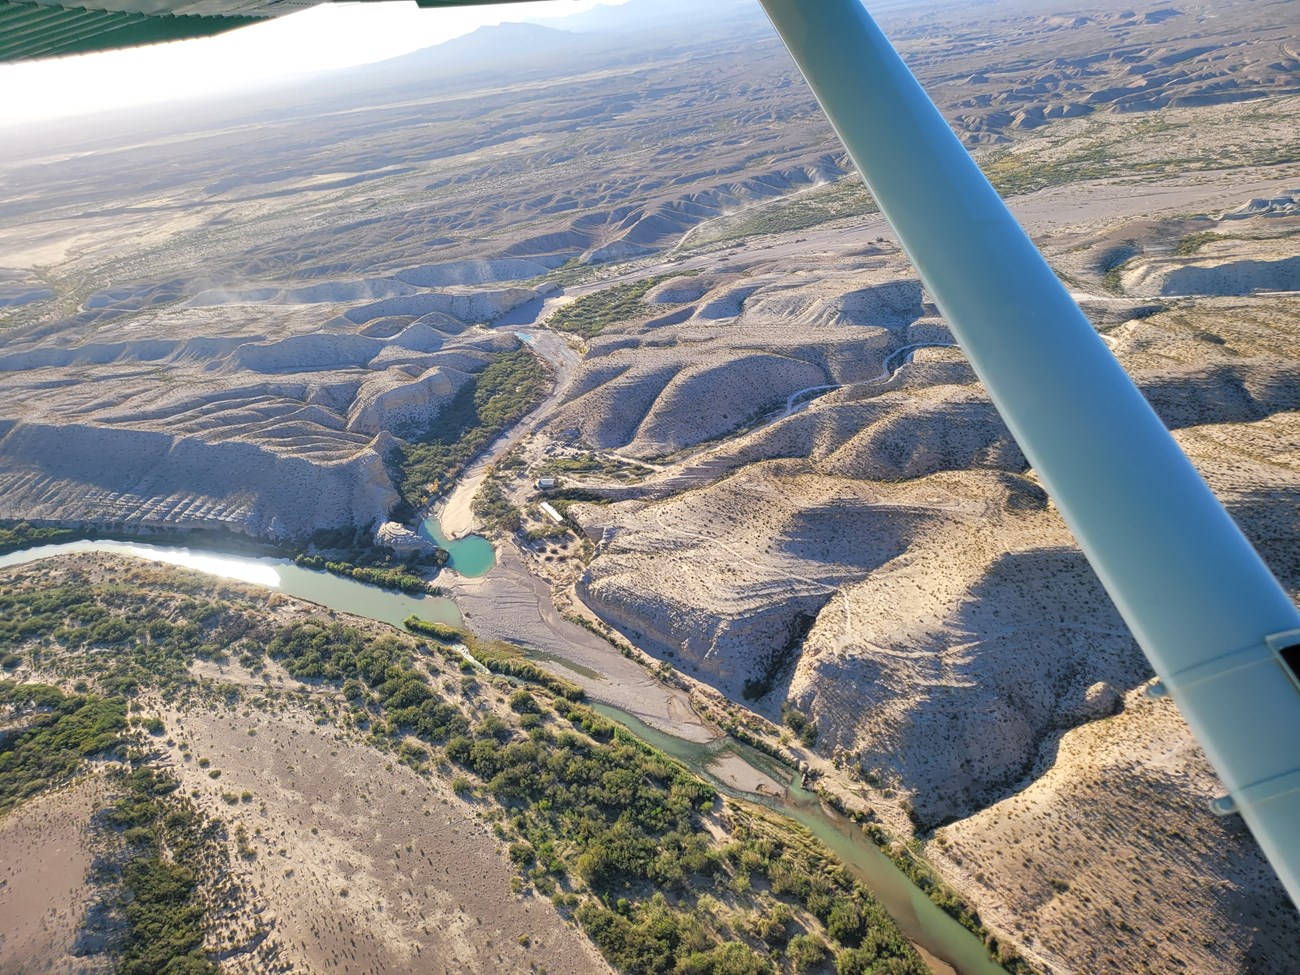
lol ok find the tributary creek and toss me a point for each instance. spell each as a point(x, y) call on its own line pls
point(933, 931)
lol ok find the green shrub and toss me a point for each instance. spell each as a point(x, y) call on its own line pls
point(592, 314)
point(728, 959)
point(521, 702)
point(511, 385)
point(650, 941)
point(493, 508)
point(55, 733)
point(164, 909)
point(507, 659)
point(521, 853)
point(441, 632)
point(22, 534)
point(805, 952)
point(398, 579)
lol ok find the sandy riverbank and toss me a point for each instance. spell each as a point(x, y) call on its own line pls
point(510, 604)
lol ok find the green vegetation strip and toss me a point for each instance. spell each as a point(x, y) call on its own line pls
point(108, 634)
point(398, 578)
point(602, 466)
point(493, 507)
point(491, 504)
point(1138, 146)
point(160, 842)
point(47, 735)
point(497, 656)
point(591, 314)
point(19, 535)
point(503, 393)
point(846, 197)
point(909, 860)
point(1014, 174)
point(168, 843)
point(641, 852)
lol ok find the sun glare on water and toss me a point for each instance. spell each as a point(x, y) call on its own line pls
point(241, 570)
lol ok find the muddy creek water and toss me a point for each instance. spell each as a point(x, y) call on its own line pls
point(945, 944)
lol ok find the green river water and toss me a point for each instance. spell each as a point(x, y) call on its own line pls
point(917, 916)
point(317, 586)
point(470, 556)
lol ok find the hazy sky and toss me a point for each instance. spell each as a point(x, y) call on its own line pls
point(331, 35)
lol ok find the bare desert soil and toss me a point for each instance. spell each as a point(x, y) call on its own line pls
point(47, 850)
point(335, 856)
point(1162, 892)
point(789, 484)
point(361, 865)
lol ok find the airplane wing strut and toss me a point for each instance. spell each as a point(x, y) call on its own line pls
point(1219, 630)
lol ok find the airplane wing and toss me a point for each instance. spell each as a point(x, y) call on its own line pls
point(34, 29)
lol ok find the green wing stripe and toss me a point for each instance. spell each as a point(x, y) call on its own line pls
point(31, 30)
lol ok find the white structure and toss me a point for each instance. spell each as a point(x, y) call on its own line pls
point(551, 513)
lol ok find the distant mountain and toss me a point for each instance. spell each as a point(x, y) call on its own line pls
point(488, 47)
point(598, 39)
point(508, 52)
point(603, 36)
point(637, 15)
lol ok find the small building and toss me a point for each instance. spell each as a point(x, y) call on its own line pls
point(551, 513)
point(546, 483)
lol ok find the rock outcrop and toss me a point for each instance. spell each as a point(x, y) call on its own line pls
point(401, 539)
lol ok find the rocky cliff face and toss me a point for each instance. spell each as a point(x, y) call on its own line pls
point(270, 424)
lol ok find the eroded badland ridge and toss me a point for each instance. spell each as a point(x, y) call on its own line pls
point(778, 474)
